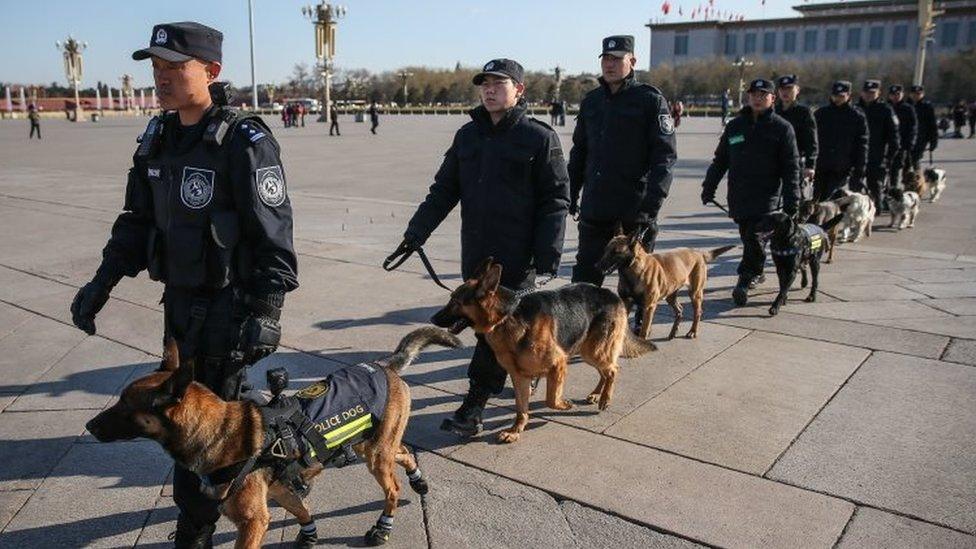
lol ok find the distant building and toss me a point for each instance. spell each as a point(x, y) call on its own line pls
point(870, 28)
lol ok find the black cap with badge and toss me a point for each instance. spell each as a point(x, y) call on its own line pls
point(505, 68)
point(179, 42)
point(870, 85)
point(787, 80)
point(841, 86)
point(895, 88)
point(618, 46)
point(760, 84)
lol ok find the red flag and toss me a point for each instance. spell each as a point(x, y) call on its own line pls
point(666, 7)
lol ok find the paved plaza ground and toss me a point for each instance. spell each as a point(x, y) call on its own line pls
point(850, 422)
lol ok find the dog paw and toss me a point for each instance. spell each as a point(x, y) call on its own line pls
point(691, 335)
point(376, 536)
point(604, 403)
point(773, 311)
point(508, 437)
point(593, 398)
point(810, 298)
point(561, 406)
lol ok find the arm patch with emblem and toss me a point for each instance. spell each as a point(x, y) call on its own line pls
point(270, 184)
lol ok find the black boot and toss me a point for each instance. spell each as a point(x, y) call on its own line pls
point(466, 421)
point(740, 294)
point(190, 536)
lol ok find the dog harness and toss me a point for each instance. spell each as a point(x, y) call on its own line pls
point(815, 238)
point(321, 422)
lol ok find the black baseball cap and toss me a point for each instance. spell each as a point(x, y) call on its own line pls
point(870, 85)
point(618, 46)
point(787, 80)
point(179, 42)
point(761, 84)
point(506, 68)
point(896, 88)
point(917, 88)
point(841, 86)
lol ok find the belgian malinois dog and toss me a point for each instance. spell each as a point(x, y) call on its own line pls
point(205, 434)
point(646, 279)
point(535, 335)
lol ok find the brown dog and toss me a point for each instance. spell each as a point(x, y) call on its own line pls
point(207, 435)
point(915, 182)
point(535, 335)
point(647, 278)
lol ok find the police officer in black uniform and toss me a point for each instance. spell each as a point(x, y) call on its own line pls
point(621, 161)
point(842, 131)
point(804, 125)
point(206, 213)
point(928, 126)
point(508, 172)
point(882, 141)
point(907, 132)
point(758, 150)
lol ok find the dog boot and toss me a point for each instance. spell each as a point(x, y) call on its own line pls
point(379, 534)
point(466, 421)
point(740, 294)
point(756, 281)
point(189, 536)
point(307, 538)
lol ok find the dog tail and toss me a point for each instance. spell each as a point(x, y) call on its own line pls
point(635, 346)
point(414, 342)
point(833, 221)
point(710, 255)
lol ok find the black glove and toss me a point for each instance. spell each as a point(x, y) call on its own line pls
point(261, 333)
point(87, 303)
point(574, 210)
point(707, 197)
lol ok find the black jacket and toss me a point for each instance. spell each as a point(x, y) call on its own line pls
point(907, 125)
point(843, 136)
point(882, 131)
point(511, 181)
point(805, 127)
point(623, 153)
point(928, 126)
point(763, 164)
point(203, 214)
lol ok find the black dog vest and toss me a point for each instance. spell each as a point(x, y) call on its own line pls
point(812, 242)
point(344, 407)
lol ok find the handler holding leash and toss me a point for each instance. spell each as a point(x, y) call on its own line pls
point(507, 171)
point(621, 161)
point(206, 212)
point(758, 150)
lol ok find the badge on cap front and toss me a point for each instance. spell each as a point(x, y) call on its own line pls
point(611, 44)
point(490, 65)
point(161, 36)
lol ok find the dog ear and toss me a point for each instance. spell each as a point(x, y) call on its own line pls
point(489, 283)
point(174, 388)
point(619, 230)
point(171, 356)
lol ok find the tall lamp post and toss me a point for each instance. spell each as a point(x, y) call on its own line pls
point(72, 67)
point(741, 63)
point(127, 93)
point(559, 81)
point(404, 75)
point(926, 33)
point(325, 17)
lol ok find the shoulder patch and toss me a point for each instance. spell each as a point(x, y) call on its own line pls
point(666, 123)
point(270, 184)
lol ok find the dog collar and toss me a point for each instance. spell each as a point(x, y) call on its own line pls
point(784, 252)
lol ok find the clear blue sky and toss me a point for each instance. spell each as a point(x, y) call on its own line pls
point(376, 34)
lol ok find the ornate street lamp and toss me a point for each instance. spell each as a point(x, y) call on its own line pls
point(73, 67)
point(325, 17)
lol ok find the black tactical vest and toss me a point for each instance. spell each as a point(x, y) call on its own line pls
point(194, 240)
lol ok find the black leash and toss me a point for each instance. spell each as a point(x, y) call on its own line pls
point(721, 207)
point(403, 253)
point(930, 157)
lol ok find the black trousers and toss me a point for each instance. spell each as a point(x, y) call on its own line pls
point(214, 368)
point(593, 239)
point(917, 153)
point(826, 183)
point(334, 126)
point(753, 251)
point(485, 374)
point(35, 127)
point(876, 184)
point(899, 164)
point(374, 123)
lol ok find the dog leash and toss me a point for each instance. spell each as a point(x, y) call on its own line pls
point(930, 157)
point(403, 253)
point(721, 207)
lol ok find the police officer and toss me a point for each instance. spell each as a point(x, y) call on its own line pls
point(842, 131)
point(804, 125)
point(374, 117)
point(623, 152)
point(207, 214)
point(907, 132)
point(758, 150)
point(928, 126)
point(882, 141)
point(508, 172)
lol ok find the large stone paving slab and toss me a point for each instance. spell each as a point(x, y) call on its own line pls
point(10, 504)
point(961, 350)
point(901, 435)
point(744, 407)
point(956, 306)
point(25, 357)
point(873, 528)
point(941, 275)
point(703, 502)
point(32, 443)
point(877, 292)
point(945, 289)
point(98, 496)
point(841, 331)
point(868, 310)
point(956, 326)
point(591, 528)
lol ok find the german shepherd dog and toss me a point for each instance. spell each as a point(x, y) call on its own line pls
point(794, 247)
point(535, 335)
point(205, 434)
point(646, 279)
